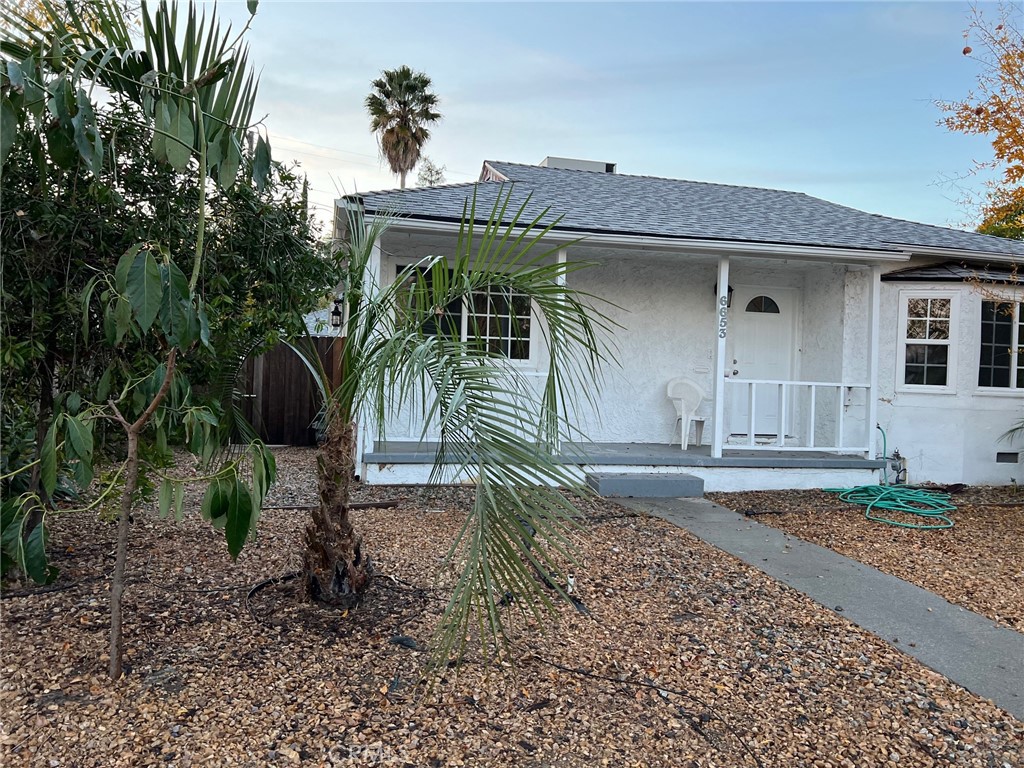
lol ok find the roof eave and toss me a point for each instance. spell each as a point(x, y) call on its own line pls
point(689, 245)
point(960, 253)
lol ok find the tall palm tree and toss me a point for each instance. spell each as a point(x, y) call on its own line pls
point(517, 537)
point(401, 107)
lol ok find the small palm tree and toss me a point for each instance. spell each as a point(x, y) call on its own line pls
point(516, 538)
point(401, 107)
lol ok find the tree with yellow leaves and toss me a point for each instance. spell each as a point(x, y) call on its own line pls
point(996, 108)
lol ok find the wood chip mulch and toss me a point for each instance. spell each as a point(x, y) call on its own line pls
point(978, 563)
point(686, 658)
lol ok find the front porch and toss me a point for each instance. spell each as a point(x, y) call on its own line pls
point(403, 462)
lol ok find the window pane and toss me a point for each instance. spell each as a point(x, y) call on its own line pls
point(935, 375)
point(499, 331)
point(926, 364)
point(914, 374)
point(520, 349)
point(917, 308)
point(939, 307)
point(916, 328)
point(996, 363)
point(937, 354)
point(916, 354)
point(938, 329)
point(764, 304)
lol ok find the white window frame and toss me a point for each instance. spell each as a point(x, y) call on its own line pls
point(1016, 342)
point(902, 341)
point(531, 362)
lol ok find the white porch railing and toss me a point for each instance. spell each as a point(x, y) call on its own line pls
point(808, 416)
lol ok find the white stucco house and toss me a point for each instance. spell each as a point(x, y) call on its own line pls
point(810, 327)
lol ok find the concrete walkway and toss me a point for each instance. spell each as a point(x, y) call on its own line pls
point(969, 649)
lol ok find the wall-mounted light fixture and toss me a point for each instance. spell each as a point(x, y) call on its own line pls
point(336, 316)
point(728, 290)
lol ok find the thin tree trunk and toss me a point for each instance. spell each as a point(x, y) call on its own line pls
point(132, 431)
point(336, 571)
point(401, 177)
point(117, 583)
point(46, 368)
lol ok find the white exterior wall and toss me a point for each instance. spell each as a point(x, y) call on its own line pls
point(715, 479)
point(946, 437)
point(665, 305)
point(668, 326)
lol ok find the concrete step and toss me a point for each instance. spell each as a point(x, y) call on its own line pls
point(646, 485)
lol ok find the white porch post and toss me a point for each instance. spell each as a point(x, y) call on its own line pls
point(371, 281)
point(561, 280)
point(874, 306)
point(721, 331)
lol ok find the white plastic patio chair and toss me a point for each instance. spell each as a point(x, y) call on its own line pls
point(686, 396)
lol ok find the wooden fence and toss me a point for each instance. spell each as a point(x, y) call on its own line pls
point(282, 398)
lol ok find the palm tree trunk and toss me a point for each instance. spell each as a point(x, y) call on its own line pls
point(335, 570)
point(401, 177)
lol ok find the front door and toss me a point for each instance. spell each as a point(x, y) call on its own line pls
point(761, 331)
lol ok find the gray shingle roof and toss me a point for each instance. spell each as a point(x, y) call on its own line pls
point(958, 272)
point(649, 206)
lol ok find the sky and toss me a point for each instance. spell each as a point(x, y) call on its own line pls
point(834, 99)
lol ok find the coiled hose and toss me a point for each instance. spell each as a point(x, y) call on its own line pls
point(932, 505)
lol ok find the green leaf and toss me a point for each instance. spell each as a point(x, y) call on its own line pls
point(177, 315)
point(35, 565)
point(48, 458)
point(103, 388)
point(61, 145)
point(179, 502)
point(122, 319)
point(124, 264)
point(215, 503)
point(86, 300)
point(79, 435)
point(179, 142)
point(232, 160)
point(204, 323)
point(144, 289)
point(252, 5)
point(74, 403)
point(261, 163)
point(8, 128)
point(161, 127)
point(240, 513)
point(166, 497)
point(87, 136)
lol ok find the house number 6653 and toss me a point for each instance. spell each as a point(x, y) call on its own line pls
point(723, 316)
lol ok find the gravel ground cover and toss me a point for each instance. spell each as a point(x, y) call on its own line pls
point(978, 563)
point(686, 658)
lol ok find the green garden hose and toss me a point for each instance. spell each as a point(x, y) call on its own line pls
point(932, 505)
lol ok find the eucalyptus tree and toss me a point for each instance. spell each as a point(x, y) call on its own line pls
point(402, 107)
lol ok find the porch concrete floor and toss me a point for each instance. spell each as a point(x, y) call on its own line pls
point(643, 455)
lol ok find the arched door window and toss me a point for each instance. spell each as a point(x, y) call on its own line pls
point(763, 304)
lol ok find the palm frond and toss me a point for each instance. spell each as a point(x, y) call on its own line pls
point(519, 537)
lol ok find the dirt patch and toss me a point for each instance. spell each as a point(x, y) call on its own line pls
point(686, 657)
point(978, 563)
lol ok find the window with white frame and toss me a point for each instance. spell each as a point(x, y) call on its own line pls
point(927, 355)
point(498, 318)
point(1002, 333)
